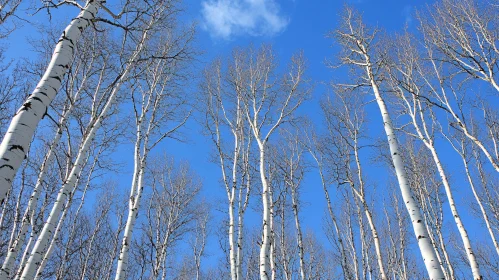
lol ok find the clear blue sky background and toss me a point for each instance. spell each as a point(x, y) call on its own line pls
point(289, 26)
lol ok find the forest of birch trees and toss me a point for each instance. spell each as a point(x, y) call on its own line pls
point(403, 159)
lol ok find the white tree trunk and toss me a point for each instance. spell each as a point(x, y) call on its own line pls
point(343, 257)
point(242, 205)
point(149, 110)
point(33, 200)
point(428, 253)
point(265, 247)
point(15, 144)
point(457, 218)
point(70, 183)
point(425, 136)
point(299, 237)
point(272, 255)
point(136, 194)
point(60, 224)
point(369, 216)
point(482, 208)
point(231, 193)
point(232, 243)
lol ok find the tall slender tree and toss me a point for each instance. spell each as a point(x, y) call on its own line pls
point(15, 144)
point(358, 45)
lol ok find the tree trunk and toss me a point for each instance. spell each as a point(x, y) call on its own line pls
point(265, 247)
point(299, 237)
point(33, 200)
point(69, 184)
point(135, 196)
point(15, 145)
point(428, 253)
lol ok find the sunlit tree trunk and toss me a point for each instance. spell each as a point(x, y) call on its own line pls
point(463, 152)
point(33, 200)
point(225, 111)
point(15, 143)
point(356, 40)
point(70, 183)
point(261, 91)
point(151, 112)
point(403, 83)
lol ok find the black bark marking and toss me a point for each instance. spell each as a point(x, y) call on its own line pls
point(57, 78)
point(26, 106)
point(63, 36)
point(8, 166)
point(37, 99)
point(16, 147)
point(63, 66)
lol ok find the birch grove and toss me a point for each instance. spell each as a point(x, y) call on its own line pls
point(150, 141)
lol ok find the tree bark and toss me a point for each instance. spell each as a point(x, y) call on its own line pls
point(15, 144)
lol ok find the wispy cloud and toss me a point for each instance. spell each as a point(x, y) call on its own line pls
point(228, 18)
point(407, 13)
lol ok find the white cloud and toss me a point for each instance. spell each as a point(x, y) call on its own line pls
point(226, 18)
point(407, 14)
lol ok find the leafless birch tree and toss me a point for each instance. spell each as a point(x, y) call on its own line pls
point(221, 92)
point(408, 87)
point(159, 107)
point(15, 143)
point(359, 52)
point(269, 102)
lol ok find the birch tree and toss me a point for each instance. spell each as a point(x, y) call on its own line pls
point(460, 44)
point(427, 188)
point(401, 261)
point(345, 121)
point(268, 103)
point(91, 130)
point(479, 183)
point(82, 75)
point(291, 168)
point(224, 115)
point(358, 45)
point(464, 36)
point(318, 148)
point(15, 144)
point(159, 109)
point(173, 209)
point(408, 88)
